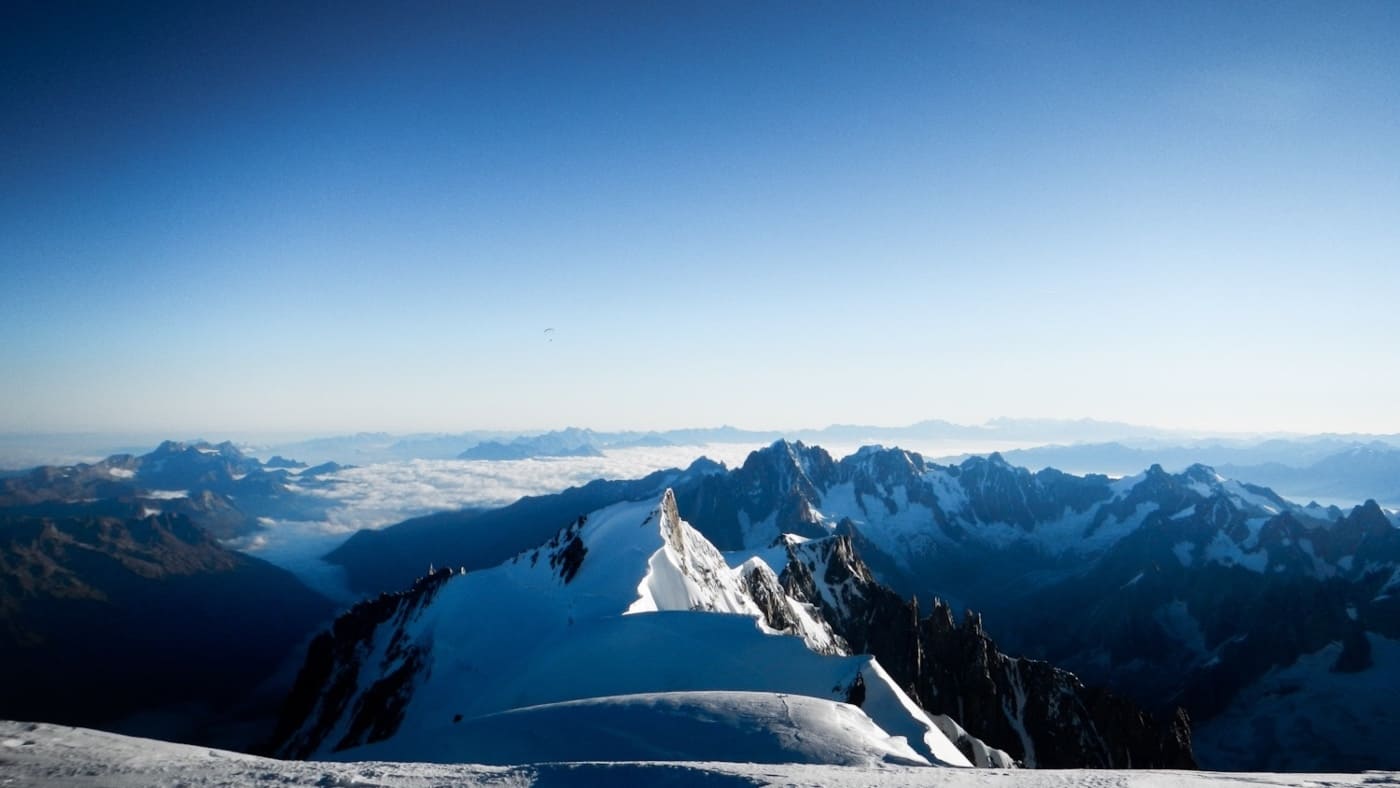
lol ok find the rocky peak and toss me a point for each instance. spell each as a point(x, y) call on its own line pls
point(1201, 473)
point(972, 624)
point(998, 492)
point(884, 467)
point(1370, 518)
point(1368, 534)
point(789, 467)
point(940, 617)
point(669, 519)
point(703, 466)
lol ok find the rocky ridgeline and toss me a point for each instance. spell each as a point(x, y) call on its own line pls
point(1043, 716)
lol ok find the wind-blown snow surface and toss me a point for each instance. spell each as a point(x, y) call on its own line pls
point(52, 756)
point(631, 600)
point(748, 727)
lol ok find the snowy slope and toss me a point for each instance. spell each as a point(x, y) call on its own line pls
point(749, 727)
point(50, 756)
point(626, 601)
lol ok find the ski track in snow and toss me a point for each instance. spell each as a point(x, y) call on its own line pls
point(50, 756)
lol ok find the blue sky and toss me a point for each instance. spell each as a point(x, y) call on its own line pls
point(338, 216)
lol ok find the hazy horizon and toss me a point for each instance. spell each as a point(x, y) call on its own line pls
point(216, 435)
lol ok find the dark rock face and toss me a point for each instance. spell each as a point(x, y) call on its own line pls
point(1043, 716)
point(1007, 494)
point(769, 597)
point(331, 675)
point(855, 694)
point(567, 550)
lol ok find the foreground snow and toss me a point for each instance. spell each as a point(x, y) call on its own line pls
point(51, 755)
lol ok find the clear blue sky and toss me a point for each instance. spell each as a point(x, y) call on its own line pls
point(337, 216)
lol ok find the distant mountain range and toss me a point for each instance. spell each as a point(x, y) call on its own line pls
point(364, 448)
point(221, 489)
point(1185, 588)
point(565, 443)
point(1327, 468)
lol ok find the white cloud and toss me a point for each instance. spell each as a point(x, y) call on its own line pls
point(164, 495)
point(374, 496)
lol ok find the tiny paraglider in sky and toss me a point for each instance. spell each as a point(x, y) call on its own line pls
point(548, 334)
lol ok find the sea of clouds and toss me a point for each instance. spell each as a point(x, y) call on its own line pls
point(374, 496)
point(382, 494)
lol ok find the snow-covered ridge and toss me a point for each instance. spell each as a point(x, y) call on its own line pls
point(625, 601)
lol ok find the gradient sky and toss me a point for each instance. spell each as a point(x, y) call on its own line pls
point(337, 216)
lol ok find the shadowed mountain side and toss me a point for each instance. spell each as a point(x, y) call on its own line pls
point(105, 617)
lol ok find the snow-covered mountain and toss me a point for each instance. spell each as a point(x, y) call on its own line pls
point(1172, 588)
point(608, 620)
point(911, 510)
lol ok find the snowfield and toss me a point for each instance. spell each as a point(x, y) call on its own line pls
point(53, 756)
point(749, 727)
